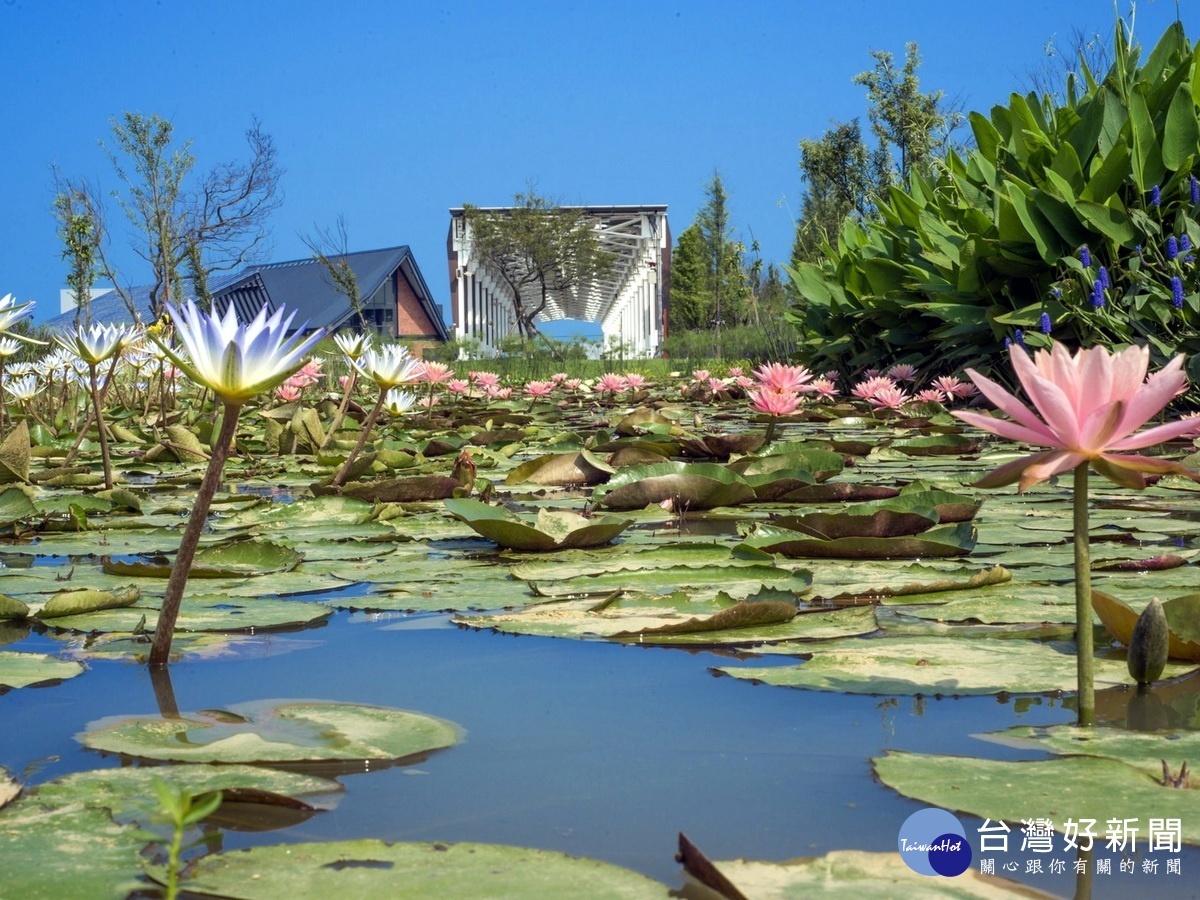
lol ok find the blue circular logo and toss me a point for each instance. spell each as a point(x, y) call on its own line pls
point(933, 842)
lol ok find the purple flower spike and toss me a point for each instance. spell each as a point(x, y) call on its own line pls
point(1172, 247)
point(1155, 196)
point(1019, 336)
point(1097, 295)
point(1176, 292)
point(1185, 243)
point(1102, 277)
point(1195, 191)
point(1085, 256)
point(1045, 323)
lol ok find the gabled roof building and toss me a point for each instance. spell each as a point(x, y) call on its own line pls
point(396, 300)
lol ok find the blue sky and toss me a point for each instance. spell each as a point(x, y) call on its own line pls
point(390, 113)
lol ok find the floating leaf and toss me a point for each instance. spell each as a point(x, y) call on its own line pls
point(581, 467)
point(946, 540)
point(688, 485)
point(18, 670)
point(81, 602)
point(237, 558)
point(274, 731)
point(1056, 790)
point(875, 523)
point(984, 578)
point(14, 506)
point(935, 666)
point(1143, 751)
point(416, 489)
point(554, 530)
point(12, 608)
point(372, 868)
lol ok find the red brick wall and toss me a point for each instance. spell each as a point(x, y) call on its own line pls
point(411, 319)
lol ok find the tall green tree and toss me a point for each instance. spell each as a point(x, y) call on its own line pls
point(538, 248)
point(184, 222)
point(724, 272)
point(844, 176)
point(691, 301)
point(79, 228)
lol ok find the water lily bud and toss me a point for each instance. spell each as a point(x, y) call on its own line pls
point(1147, 655)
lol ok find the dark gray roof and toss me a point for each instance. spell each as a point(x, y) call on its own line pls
point(302, 285)
point(111, 308)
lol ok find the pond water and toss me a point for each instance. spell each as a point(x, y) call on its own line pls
point(592, 748)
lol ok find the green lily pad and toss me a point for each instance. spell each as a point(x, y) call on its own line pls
point(935, 666)
point(237, 558)
point(275, 731)
point(79, 836)
point(690, 486)
point(936, 584)
point(14, 455)
point(574, 563)
point(1074, 787)
point(15, 505)
point(555, 530)
point(821, 464)
point(853, 874)
point(1140, 750)
point(581, 467)
point(414, 489)
point(203, 613)
point(877, 523)
point(82, 602)
point(945, 540)
point(372, 868)
point(18, 670)
point(679, 619)
point(732, 579)
point(12, 608)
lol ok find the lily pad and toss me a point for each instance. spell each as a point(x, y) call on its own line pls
point(12, 608)
point(415, 489)
point(15, 505)
point(1143, 751)
point(688, 485)
point(581, 467)
point(945, 540)
point(821, 464)
point(14, 455)
point(275, 731)
point(237, 558)
point(853, 874)
point(935, 666)
point(372, 868)
point(1074, 787)
point(555, 530)
point(82, 602)
point(877, 523)
point(18, 670)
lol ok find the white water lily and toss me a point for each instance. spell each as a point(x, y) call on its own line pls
point(8, 347)
point(397, 402)
point(12, 312)
point(237, 361)
point(389, 366)
point(24, 388)
point(352, 344)
point(98, 343)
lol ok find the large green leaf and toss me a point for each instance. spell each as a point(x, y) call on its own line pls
point(274, 731)
point(244, 558)
point(687, 485)
point(372, 868)
point(935, 666)
point(1142, 751)
point(1181, 133)
point(946, 540)
point(81, 602)
point(19, 670)
point(554, 530)
point(1056, 790)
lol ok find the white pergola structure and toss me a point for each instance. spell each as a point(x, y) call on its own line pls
point(630, 302)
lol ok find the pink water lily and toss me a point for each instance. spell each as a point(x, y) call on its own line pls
point(1091, 405)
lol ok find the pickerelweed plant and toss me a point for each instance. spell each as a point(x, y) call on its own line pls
point(237, 362)
point(1091, 405)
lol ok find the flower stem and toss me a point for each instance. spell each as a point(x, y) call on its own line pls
point(1086, 702)
point(340, 477)
point(770, 436)
point(97, 403)
point(164, 631)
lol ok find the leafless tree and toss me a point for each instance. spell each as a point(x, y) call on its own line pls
point(330, 249)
